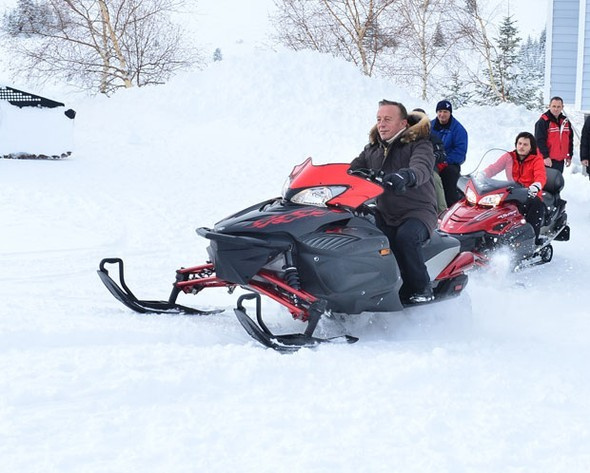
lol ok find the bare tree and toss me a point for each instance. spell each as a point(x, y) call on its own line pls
point(351, 29)
point(429, 39)
point(101, 45)
point(473, 25)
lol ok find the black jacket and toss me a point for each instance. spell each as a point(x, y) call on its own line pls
point(585, 140)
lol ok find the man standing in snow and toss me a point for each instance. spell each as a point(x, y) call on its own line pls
point(407, 208)
point(454, 138)
point(554, 136)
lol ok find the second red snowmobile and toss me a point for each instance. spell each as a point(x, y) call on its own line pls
point(487, 219)
point(315, 250)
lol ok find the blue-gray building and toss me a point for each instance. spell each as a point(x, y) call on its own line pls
point(567, 66)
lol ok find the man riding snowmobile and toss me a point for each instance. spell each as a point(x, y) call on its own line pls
point(525, 166)
point(407, 209)
point(315, 251)
point(510, 211)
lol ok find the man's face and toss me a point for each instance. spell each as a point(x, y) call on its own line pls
point(443, 116)
point(556, 106)
point(389, 121)
point(523, 146)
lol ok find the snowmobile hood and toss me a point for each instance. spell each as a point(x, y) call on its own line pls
point(464, 219)
point(340, 188)
point(280, 216)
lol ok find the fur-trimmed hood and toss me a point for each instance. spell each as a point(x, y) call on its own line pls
point(418, 127)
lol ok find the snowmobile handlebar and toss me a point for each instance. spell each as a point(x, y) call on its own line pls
point(369, 175)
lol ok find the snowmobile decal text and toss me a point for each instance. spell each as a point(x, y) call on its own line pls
point(289, 217)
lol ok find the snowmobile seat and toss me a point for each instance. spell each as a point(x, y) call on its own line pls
point(552, 188)
point(437, 241)
point(554, 182)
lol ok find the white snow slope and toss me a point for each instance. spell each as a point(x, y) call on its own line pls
point(495, 381)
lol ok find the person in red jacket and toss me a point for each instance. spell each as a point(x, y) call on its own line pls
point(555, 137)
point(525, 166)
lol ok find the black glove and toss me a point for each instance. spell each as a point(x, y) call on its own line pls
point(440, 155)
point(400, 180)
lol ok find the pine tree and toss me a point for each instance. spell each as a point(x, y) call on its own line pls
point(505, 67)
point(530, 82)
point(457, 91)
point(217, 56)
point(438, 39)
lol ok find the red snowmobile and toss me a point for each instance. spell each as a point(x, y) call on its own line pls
point(487, 218)
point(315, 250)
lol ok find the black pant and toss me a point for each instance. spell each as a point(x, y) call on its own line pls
point(534, 213)
point(406, 243)
point(557, 165)
point(449, 176)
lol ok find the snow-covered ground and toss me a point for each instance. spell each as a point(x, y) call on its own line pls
point(495, 381)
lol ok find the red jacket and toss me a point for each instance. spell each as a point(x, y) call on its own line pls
point(525, 172)
point(555, 138)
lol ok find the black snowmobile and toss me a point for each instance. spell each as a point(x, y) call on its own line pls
point(315, 250)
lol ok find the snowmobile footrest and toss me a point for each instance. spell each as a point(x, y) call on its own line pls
point(287, 343)
point(123, 294)
point(564, 234)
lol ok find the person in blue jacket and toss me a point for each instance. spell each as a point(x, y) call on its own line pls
point(454, 138)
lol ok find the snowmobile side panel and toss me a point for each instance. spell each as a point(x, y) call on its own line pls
point(237, 258)
point(450, 287)
point(351, 267)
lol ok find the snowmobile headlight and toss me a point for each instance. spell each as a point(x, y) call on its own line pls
point(471, 196)
point(317, 196)
point(491, 200)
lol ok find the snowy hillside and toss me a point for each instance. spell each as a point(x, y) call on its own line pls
point(495, 381)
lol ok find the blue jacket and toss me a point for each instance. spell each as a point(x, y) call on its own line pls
point(454, 137)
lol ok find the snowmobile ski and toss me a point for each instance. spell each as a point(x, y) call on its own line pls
point(122, 293)
point(288, 343)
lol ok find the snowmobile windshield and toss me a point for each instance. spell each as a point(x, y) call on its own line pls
point(485, 185)
point(328, 185)
point(493, 172)
point(491, 182)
